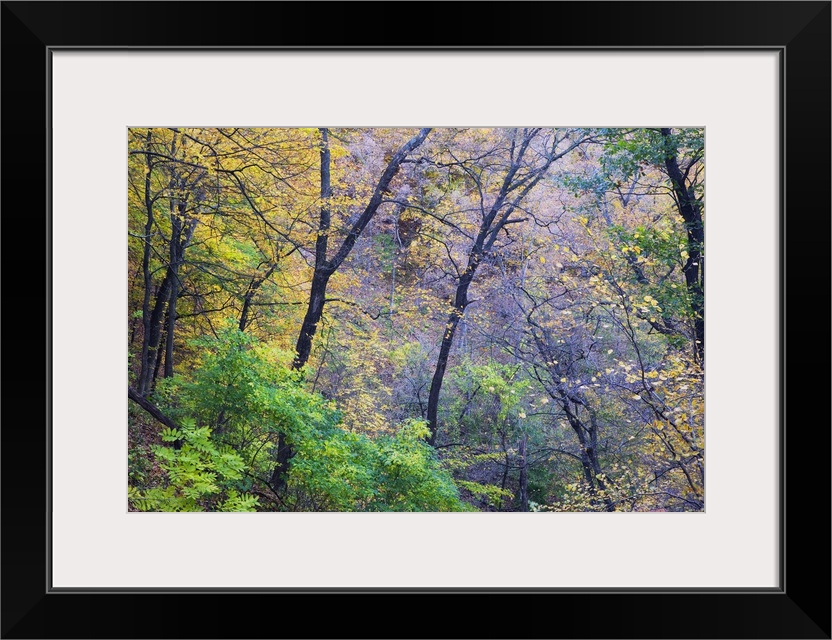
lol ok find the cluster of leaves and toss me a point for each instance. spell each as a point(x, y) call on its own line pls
point(347, 471)
point(241, 387)
point(201, 475)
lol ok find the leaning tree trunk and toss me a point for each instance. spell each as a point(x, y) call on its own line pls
point(515, 186)
point(253, 286)
point(460, 302)
point(325, 268)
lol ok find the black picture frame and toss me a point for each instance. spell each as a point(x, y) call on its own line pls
point(799, 608)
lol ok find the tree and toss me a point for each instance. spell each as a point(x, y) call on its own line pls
point(685, 180)
point(679, 155)
point(180, 188)
point(524, 166)
point(326, 266)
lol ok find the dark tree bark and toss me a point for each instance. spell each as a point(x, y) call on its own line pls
point(582, 417)
point(151, 408)
point(253, 286)
point(460, 302)
point(691, 211)
point(324, 267)
point(493, 221)
point(166, 295)
point(163, 316)
point(320, 277)
point(154, 335)
point(524, 475)
point(174, 256)
point(588, 438)
point(180, 238)
point(154, 411)
point(147, 276)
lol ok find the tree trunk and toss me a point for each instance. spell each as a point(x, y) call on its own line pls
point(245, 311)
point(157, 365)
point(514, 187)
point(151, 408)
point(154, 411)
point(694, 268)
point(252, 290)
point(148, 229)
point(177, 252)
point(324, 268)
point(314, 312)
point(460, 302)
point(524, 475)
point(175, 257)
point(282, 457)
point(168, 291)
point(588, 438)
point(490, 227)
point(154, 335)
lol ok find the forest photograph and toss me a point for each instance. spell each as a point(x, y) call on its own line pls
point(505, 319)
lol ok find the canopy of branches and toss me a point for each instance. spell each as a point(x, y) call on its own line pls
point(447, 319)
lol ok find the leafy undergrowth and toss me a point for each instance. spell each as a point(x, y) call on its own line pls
point(142, 468)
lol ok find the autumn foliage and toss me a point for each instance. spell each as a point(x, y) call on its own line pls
point(416, 319)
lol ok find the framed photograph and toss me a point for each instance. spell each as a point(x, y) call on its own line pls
point(209, 176)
